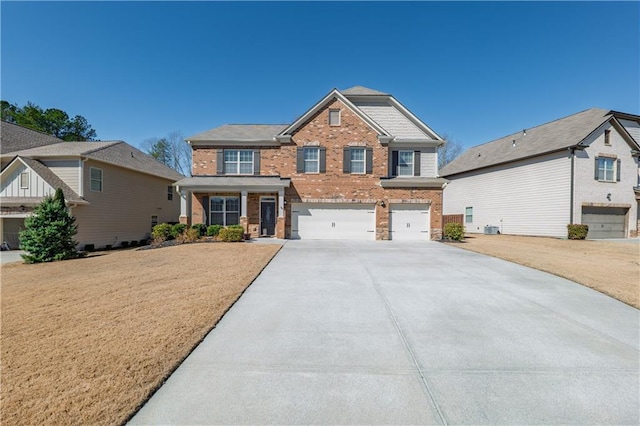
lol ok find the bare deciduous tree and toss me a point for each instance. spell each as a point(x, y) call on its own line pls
point(171, 150)
point(448, 151)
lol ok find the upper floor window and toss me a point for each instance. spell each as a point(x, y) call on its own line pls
point(607, 169)
point(357, 160)
point(24, 180)
point(96, 179)
point(405, 163)
point(238, 162)
point(170, 192)
point(311, 160)
point(334, 117)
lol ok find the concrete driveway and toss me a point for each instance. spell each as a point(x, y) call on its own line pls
point(413, 333)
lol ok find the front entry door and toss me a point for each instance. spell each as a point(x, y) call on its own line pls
point(267, 216)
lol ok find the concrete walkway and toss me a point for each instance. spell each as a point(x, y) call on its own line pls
point(414, 333)
point(10, 256)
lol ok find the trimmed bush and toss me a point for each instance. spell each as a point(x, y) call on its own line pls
point(134, 243)
point(124, 244)
point(201, 227)
point(235, 227)
point(49, 232)
point(454, 231)
point(213, 230)
point(577, 232)
point(144, 242)
point(231, 234)
point(190, 235)
point(178, 229)
point(89, 247)
point(161, 232)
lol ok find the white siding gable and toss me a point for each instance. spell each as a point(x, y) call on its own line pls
point(10, 186)
point(428, 162)
point(391, 119)
point(528, 197)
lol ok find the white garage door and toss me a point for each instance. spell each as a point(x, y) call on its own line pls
point(333, 221)
point(409, 222)
point(605, 222)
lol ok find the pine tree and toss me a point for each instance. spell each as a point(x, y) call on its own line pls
point(49, 232)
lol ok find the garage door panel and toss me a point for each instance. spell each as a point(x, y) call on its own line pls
point(333, 221)
point(409, 222)
point(604, 222)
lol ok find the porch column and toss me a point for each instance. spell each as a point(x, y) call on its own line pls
point(185, 206)
point(281, 203)
point(243, 204)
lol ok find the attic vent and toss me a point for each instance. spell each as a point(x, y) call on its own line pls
point(131, 154)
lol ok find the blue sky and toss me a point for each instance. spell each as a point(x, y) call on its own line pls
point(475, 71)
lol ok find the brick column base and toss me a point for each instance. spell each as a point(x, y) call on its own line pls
point(185, 220)
point(280, 228)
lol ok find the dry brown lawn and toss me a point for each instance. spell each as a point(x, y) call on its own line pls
point(611, 268)
point(87, 341)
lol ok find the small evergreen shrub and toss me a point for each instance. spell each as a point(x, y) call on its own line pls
point(144, 242)
point(231, 234)
point(235, 227)
point(89, 247)
point(49, 232)
point(178, 229)
point(108, 247)
point(161, 232)
point(124, 244)
point(133, 243)
point(213, 230)
point(577, 232)
point(454, 231)
point(201, 227)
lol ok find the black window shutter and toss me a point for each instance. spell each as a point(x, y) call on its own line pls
point(205, 205)
point(394, 163)
point(323, 159)
point(416, 163)
point(618, 170)
point(346, 160)
point(596, 169)
point(256, 161)
point(300, 160)
point(369, 160)
point(220, 162)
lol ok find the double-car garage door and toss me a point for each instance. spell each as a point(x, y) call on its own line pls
point(349, 221)
point(605, 222)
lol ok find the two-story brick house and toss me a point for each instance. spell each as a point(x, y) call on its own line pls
point(357, 165)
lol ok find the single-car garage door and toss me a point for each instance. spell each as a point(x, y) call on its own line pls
point(605, 222)
point(333, 221)
point(409, 222)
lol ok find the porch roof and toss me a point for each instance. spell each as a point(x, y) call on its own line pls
point(233, 183)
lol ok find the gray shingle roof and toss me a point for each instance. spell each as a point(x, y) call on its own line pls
point(554, 136)
point(14, 138)
point(361, 90)
point(114, 152)
point(240, 132)
point(52, 179)
point(234, 182)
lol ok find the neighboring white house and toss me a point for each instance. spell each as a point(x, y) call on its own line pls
point(581, 169)
point(115, 191)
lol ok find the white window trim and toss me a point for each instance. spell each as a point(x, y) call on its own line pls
point(339, 117)
point(238, 162)
point(316, 161)
point(468, 218)
point(413, 162)
point(91, 180)
point(614, 169)
point(24, 185)
point(363, 161)
point(224, 209)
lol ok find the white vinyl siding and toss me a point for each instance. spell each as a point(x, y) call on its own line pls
point(391, 119)
point(428, 162)
point(12, 187)
point(123, 210)
point(24, 180)
point(67, 170)
point(529, 197)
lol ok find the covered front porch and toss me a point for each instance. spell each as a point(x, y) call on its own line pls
point(254, 202)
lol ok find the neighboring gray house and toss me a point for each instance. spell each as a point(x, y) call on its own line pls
point(115, 191)
point(579, 169)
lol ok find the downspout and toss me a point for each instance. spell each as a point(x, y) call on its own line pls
point(81, 183)
point(573, 161)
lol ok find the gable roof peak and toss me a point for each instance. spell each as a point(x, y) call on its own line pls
point(361, 90)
